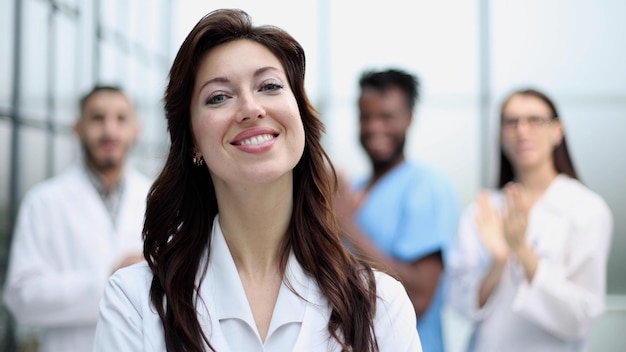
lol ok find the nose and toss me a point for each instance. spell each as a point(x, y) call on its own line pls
point(250, 108)
point(522, 126)
point(372, 124)
point(110, 124)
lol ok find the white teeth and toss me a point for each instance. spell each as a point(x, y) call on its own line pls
point(257, 139)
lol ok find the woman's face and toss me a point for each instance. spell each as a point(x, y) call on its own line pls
point(529, 134)
point(244, 117)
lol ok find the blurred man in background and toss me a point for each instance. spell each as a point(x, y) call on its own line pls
point(405, 213)
point(76, 229)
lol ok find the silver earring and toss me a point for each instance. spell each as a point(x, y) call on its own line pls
point(197, 160)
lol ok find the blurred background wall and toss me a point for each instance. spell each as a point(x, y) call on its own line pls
point(51, 53)
point(468, 54)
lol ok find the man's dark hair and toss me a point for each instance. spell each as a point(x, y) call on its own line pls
point(383, 80)
point(98, 89)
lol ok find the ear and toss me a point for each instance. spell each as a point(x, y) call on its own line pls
point(410, 119)
point(77, 127)
point(193, 150)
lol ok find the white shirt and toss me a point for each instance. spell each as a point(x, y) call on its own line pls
point(129, 323)
point(64, 249)
point(570, 229)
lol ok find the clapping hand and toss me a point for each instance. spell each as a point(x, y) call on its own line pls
point(490, 227)
point(515, 220)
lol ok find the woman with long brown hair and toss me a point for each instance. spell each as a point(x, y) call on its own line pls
point(242, 247)
point(529, 264)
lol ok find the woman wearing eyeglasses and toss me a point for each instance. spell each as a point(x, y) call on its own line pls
point(529, 264)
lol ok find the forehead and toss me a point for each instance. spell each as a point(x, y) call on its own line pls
point(236, 57)
point(526, 105)
point(107, 100)
point(392, 96)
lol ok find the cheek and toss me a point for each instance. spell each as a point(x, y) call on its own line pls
point(549, 144)
point(206, 138)
point(301, 139)
point(199, 130)
point(295, 123)
point(397, 126)
point(91, 135)
point(129, 135)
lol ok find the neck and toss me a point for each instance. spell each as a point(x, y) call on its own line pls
point(381, 169)
point(255, 223)
point(110, 176)
point(537, 180)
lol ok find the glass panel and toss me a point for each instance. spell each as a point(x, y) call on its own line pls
point(5, 163)
point(155, 85)
point(71, 3)
point(123, 22)
point(32, 158)
point(67, 151)
point(596, 149)
point(145, 26)
point(7, 36)
point(34, 66)
point(556, 45)
point(6, 329)
point(136, 79)
point(109, 13)
point(430, 140)
point(65, 80)
point(138, 30)
point(85, 49)
point(112, 66)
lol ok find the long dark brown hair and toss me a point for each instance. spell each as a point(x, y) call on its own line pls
point(560, 155)
point(182, 203)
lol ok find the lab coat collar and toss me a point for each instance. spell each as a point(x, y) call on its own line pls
point(558, 194)
point(228, 296)
point(96, 179)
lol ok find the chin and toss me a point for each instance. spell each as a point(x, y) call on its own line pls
point(527, 164)
point(380, 158)
point(108, 164)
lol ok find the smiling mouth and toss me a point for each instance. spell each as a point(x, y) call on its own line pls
point(256, 140)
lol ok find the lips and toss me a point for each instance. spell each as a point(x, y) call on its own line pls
point(254, 136)
point(378, 143)
point(256, 140)
point(523, 147)
point(107, 144)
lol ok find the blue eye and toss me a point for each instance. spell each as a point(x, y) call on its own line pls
point(272, 87)
point(216, 99)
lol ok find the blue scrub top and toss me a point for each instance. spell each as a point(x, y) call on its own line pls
point(411, 212)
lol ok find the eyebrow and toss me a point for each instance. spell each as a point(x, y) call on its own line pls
point(256, 73)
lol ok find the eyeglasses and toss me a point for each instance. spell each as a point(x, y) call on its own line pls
point(532, 122)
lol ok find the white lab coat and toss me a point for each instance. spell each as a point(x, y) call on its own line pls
point(128, 321)
point(570, 229)
point(64, 249)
